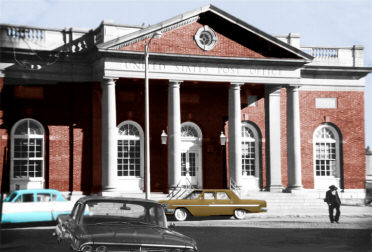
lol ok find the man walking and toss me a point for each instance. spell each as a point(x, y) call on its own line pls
point(333, 202)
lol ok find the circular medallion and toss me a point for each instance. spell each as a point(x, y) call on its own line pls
point(205, 38)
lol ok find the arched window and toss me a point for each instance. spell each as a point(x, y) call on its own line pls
point(27, 152)
point(130, 150)
point(188, 130)
point(249, 150)
point(326, 151)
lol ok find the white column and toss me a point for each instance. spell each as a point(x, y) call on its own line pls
point(174, 133)
point(235, 134)
point(109, 135)
point(293, 140)
point(273, 143)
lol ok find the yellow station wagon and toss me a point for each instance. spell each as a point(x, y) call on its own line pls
point(206, 202)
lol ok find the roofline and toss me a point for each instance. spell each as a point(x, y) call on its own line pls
point(209, 58)
point(114, 198)
point(196, 12)
point(339, 68)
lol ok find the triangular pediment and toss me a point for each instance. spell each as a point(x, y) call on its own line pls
point(207, 31)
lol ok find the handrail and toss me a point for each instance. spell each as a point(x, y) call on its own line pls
point(180, 189)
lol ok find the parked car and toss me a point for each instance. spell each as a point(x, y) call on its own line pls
point(212, 202)
point(32, 205)
point(103, 224)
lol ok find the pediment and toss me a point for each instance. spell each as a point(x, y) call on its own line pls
point(210, 32)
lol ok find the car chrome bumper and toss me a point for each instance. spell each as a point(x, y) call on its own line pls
point(169, 211)
point(263, 209)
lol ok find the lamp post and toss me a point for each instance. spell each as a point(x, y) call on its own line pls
point(156, 34)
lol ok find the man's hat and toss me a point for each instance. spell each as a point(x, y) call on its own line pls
point(332, 187)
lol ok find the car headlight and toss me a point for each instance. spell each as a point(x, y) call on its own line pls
point(87, 248)
point(101, 249)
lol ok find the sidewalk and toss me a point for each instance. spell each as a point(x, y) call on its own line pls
point(352, 217)
point(346, 210)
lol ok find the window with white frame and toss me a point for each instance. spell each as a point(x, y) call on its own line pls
point(326, 141)
point(249, 150)
point(27, 149)
point(129, 150)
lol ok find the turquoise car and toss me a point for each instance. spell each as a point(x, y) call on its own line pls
point(33, 205)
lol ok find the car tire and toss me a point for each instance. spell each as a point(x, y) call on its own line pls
point(181, 214)
point(239, 214)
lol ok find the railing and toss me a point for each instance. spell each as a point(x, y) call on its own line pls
point(234, 187)
point(327, 53)
point(335, 56)
point(182, 188)
point(25, 33)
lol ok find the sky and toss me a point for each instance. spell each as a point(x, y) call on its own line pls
point(319, 22)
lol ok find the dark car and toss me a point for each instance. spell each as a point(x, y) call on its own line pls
point(101, 224)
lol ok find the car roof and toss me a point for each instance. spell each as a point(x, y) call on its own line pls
point(110, 198)
point(22, 191)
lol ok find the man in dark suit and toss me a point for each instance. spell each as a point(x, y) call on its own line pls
point(333, 202)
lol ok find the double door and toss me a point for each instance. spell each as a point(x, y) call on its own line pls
point(190, 167)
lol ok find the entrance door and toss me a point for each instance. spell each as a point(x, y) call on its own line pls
point(190, 166)
point(191, 155)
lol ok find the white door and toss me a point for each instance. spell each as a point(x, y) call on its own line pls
point(190, 167)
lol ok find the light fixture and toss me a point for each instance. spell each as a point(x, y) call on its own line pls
point(222, 139)
point(164, 137)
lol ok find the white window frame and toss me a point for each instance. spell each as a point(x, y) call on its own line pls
point(141, 139)
point(256, 146)
point(27, 181)
point(323, 181)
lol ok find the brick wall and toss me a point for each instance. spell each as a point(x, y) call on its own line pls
point(64, 110)
point(349, 119)
point(180, 41)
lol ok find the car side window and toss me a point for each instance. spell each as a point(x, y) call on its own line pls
point(28, 197)
point(209, 195)
point(222, 196)
point(54, 197)
point(43, 197)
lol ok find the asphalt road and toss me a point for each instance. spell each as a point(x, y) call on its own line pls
point(225, 234)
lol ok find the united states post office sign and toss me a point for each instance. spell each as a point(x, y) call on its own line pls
point(202, 69)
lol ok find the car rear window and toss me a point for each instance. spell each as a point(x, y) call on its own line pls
point(117, 209)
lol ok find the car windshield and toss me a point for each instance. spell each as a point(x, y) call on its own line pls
point(10, 197)
point(123, 212)
point(193, 195)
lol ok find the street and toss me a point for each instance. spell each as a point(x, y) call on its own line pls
point(226, 234)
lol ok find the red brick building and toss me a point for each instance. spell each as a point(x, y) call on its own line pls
point(73, 108)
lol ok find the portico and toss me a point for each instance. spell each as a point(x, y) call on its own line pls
point(232, 74)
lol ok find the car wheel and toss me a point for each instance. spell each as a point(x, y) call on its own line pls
point(180, 214)
point(239, 214)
